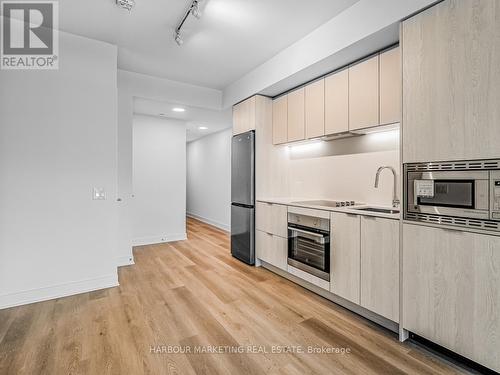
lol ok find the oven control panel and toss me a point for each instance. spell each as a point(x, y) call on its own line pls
point(495, 195)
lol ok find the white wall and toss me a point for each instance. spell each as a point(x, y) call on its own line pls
point(57, 142)
point(132, 85)
point(159, 180)
point(209, 179)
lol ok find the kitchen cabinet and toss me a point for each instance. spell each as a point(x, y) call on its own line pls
point(364, 94)
point(451, 290)
point(380, 266)
point(345, 260)
point(390, 86)
point(296, 115)
point(244, 116)
point(272, 218)
point(271, 249)
point(315, 109)
point(280, 120)
point(271, 235)
point(451, 82)
point(337, 102)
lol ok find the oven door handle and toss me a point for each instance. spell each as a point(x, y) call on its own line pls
point(306, 232)
point(319, 238)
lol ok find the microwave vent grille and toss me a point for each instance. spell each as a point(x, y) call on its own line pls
point(456, 221)
point(451, 166)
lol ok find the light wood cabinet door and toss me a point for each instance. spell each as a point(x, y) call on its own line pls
point(296, 115)
point(244, 116)
point(390, 86)
point(280, 120)
point(345, 248)
point(451, 82)
point(315, 109)
point(271, 249)
point(451, 290)
point(380, 266)
point(337, 102)
point(364, 94)
point(272, 218)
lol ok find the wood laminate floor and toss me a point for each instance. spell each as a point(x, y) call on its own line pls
point(192, 295)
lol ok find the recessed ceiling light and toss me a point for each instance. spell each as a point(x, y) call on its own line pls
point(202, 128)
point(178, 109)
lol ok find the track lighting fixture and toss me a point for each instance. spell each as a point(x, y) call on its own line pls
point(126, 4)
point(195, 11)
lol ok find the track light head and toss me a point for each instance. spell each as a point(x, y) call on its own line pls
point(126, 4)
point(178, 39)
point(195, 10)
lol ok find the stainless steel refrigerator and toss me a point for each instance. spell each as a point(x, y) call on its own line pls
point(243, 197)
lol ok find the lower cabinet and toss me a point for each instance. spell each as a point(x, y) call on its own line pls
point(345, 251)
point(272, 218)
point(380, 266)
point(451, 284)
point(271, 249)
point(365, 262)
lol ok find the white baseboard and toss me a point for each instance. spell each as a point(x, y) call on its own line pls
point(224, 227)
point(159, 239)
point(57, 291)
point(126, 260)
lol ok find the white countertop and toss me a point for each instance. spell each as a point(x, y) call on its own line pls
point(350, 209)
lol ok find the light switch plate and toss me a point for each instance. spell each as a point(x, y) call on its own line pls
point(98, 194)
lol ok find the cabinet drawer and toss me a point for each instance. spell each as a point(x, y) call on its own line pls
point(271, 249)
point(272, 218)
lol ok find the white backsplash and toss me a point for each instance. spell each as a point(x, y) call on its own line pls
point(344, 169)
point(345, 177)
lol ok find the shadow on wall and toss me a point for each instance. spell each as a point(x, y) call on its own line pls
point(375, 142)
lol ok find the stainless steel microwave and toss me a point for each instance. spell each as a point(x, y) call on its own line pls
point(464, 193)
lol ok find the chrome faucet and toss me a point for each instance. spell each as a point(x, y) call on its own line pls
point(395, 200)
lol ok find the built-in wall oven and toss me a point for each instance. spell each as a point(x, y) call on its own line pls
point(464, 193)
point(309, 244)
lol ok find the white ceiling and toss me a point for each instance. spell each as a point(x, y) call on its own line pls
point(193, 116)
point(232, 37)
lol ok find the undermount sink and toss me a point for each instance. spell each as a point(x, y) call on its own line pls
point(379, 210)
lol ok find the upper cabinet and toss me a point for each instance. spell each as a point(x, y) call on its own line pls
point(337, 102)
point(244, 116)
point(280, 120)
point(390, 86)
point(296, 115)
point(451, 82)
point(364, 94)
point(315, 109)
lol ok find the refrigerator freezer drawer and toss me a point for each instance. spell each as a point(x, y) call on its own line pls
point(243, 233)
